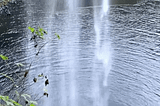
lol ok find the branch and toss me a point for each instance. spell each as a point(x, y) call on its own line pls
point(7, 77)
point(41, 48)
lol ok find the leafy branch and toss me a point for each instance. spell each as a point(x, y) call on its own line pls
point(37, 33)
point(5, 58)
point(9, 102)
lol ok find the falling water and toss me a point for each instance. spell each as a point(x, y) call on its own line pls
point(105, 6)
point(68, 87)
point(72, 4)
point(102, 53)
point(105, 54)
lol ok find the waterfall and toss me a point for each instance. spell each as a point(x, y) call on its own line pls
point(105, 6)
point(103, 53)
point(71, 91)
point(72, 4)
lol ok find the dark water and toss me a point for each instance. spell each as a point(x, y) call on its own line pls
point(134, 75)
point(113, 2)
point(100, 59)
point(12, 41)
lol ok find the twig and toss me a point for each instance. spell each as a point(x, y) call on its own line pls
point(41, 48)
point(11, 69)
point(7, 77)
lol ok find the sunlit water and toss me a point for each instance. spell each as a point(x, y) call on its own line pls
point(106, 55)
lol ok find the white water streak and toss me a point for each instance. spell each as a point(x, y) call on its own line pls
point(72, 5)
point(103, 53)
point(105, 6)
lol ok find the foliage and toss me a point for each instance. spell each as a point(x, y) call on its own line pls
point(9, 102)
point(37, 32)
point(3, 57)
point(40, 75)
point(57, 35)
point(29, 102)
point(31, 29)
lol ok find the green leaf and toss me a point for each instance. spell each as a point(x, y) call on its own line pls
point(40, 29)
point(37, 33)
point(25, 96)
point(17, 93)
point(40, 75)
point(33, 102)
point(42, 33)
point(17, 104)
point(45, 90)
point(9, 103)
point(42, 37)
point(32, 105)
point(31, 29)
point(4, 97)
point(57, 35)
point(4, 57)
point(14, 102)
